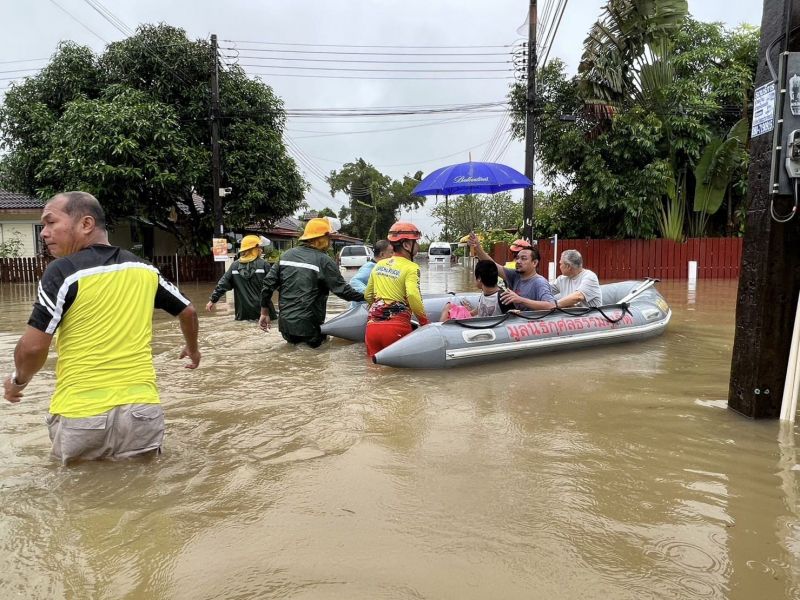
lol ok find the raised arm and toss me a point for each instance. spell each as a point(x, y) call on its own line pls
point(475, 243)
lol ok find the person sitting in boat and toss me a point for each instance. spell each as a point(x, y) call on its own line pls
point(382, 249)
point(515, 247)
point(393, 291)
point(576, 286)
point(527, 290)
point(486, 277)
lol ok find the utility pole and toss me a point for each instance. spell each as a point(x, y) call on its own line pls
point(527, 199)
point(770, 275)
point(215, 162)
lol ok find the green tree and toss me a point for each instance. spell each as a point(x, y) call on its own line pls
point(375, 198)
point(131, 127)
point(478, 212)
point(626, 159)
point(326, 212)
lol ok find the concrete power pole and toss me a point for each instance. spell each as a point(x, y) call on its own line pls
point(527, 199)
point(216, 177)
point(770, 275)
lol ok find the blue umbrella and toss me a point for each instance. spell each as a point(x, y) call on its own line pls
point(471, 178)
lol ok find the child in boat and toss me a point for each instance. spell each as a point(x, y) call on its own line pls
point(486, 279)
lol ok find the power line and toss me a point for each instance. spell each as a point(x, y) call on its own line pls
point(495, 136)
point(376, 77)
point(427, 54)
point(24, 60)
point(549, 44)
point(353, 45)
point(117, 23)
point(335, 133)
point(385, 62)
point(21, 71)
point(363, 70)
point(410, 106)
point(79, 22)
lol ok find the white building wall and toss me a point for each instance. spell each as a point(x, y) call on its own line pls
point(25, 231)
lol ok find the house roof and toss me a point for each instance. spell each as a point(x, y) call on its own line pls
point(15, 200)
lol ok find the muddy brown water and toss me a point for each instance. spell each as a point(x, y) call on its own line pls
point(298, 473)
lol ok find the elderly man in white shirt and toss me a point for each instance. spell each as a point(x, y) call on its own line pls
point(575, 286)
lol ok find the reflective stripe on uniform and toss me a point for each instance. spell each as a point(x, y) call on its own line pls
point(291, 263)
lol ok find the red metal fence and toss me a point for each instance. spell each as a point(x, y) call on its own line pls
point(717, 258)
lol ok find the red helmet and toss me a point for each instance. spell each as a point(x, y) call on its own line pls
point(520, 244)
point(403, 231)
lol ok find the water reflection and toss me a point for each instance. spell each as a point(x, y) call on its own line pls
point(603, 473)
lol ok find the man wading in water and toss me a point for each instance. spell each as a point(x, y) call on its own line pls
point(304, 276)
point(100, 299)
point(393, 291)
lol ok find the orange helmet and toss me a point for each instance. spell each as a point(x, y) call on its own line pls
point(403, 231)
point(520, 244)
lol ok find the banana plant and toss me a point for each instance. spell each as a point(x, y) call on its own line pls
point(673, 215)
point(713, 174)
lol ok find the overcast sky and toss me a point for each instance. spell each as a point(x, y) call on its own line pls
point(395, 145)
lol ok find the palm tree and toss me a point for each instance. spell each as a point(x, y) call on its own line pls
point(620, 44)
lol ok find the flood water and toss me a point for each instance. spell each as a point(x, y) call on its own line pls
point(295, 473)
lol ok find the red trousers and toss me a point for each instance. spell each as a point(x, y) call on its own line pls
point(380, 334)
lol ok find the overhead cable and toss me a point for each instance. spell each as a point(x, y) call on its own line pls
point(354, 45)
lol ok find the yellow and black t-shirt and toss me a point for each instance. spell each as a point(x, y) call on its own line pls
point(99, 301)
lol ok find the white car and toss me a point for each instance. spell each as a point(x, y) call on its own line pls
point(440, 253)
point(353, 257)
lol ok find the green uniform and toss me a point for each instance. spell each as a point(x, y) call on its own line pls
point(304, 276)
point(246, 280)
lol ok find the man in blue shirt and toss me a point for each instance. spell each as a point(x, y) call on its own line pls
point(382, 249)
point(527, 290)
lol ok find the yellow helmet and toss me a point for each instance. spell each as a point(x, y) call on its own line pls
point(316, 228)
point(248, 242)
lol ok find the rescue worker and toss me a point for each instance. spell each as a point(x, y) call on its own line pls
point(304, 276)
point(515, 247)
point(245, 277)
point(393, 291)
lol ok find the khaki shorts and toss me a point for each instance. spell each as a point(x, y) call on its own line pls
point(122, 432)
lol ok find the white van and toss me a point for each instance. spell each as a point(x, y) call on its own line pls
point(440, 253)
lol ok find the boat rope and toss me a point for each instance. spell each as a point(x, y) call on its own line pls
point(541, 314)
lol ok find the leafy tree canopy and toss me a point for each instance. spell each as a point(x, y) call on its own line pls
point(375, 198)
point(478, 212)
point(621, 168)
point(131, 127)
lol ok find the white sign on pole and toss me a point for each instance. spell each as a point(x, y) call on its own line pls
point(763, 109)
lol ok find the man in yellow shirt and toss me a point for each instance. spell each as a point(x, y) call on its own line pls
point(393, 291)
point(100, 300)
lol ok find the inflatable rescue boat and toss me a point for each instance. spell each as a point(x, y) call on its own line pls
point(631, 310)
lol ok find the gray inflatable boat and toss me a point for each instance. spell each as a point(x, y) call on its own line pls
point(632, 310)
point(351, 324)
